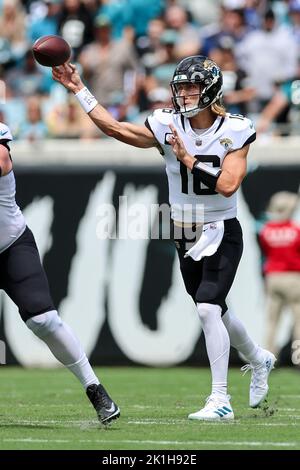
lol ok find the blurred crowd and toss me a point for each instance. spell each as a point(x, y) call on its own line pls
point(126, 51)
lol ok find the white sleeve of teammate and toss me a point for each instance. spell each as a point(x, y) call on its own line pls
point(5, 133)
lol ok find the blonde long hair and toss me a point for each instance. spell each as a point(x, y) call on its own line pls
point(218, 108)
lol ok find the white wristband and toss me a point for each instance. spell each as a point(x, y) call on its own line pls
point(86, 99)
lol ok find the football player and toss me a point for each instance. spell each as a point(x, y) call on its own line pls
point(205, 151)
point(23, 278)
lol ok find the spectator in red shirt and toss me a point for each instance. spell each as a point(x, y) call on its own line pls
point(280, 243)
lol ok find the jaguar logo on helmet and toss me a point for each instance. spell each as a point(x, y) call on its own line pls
point(197, 70)
point(208, 64)
point(211, 66)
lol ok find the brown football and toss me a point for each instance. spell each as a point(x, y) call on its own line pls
point(51, 51)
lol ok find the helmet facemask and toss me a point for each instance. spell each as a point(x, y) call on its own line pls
point(179, 101)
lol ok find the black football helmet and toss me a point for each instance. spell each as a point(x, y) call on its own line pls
point(197, 69)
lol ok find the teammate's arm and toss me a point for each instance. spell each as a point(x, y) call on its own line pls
point(225, 181)
point(5, 161)
point(132, 134)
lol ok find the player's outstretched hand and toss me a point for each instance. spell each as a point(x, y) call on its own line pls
point(177, 144)
point(68, 76)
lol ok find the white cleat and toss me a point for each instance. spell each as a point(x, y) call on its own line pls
point(259, 380)
point(215, 409)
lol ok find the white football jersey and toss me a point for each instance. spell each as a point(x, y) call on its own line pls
point(191, 200)
point(12, 222)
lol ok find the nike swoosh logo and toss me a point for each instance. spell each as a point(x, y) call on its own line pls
point(3, 133)
point(111, 409)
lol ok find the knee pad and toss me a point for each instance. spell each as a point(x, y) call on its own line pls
point(45, 323)
point(208, 311)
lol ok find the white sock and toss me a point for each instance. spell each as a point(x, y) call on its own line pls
point(83, 371)
point(64, 345)
point(241, 341)
point(217, 346)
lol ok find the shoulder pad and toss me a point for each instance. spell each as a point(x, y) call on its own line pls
point(240, 130)
point(5, 133)
point(239, 123)
point(163, 116)
point(158, 122)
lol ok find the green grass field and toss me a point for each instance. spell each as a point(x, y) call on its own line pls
point(47, 409)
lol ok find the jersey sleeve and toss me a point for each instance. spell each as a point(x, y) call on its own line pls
point(5, 133)
point(158, 123)
point(242, 130)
